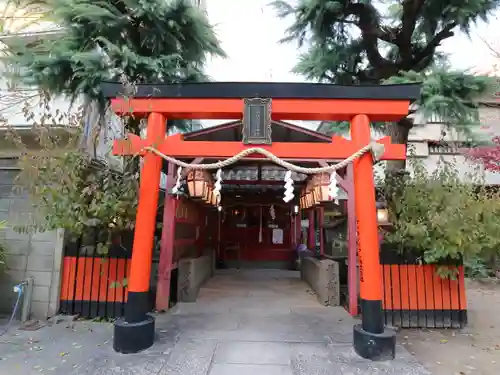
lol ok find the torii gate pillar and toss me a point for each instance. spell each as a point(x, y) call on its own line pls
point(137, 330)
point(371, 339)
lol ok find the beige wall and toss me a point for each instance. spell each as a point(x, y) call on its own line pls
point(420, 136)
point(36, 255)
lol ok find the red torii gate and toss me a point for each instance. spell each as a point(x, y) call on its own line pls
point(290, 101)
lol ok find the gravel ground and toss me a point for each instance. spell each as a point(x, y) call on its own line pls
point(472, 350)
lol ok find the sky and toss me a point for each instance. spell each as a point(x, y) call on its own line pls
point(249, 31)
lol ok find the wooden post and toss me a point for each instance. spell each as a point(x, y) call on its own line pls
point(136, 331)
point(311, 238)
point(321, 221)
point(370, 339)
point(166, 245)
point(298, 227)
point(219, 231)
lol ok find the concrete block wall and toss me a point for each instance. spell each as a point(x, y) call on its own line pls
point(323, 278)
point(37, 255)
point(193, 273)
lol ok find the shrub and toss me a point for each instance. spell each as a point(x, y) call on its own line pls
point(444, 216)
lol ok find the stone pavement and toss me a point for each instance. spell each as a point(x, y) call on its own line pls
point(248, 322)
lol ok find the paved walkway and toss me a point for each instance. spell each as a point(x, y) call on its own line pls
point(249, 322)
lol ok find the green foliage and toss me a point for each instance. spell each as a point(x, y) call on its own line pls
point(367, 42)
point(67, 189)
point(451, 96)
point(71, 192)
point(444, 216)
point(77, 193)
point(476, 268)
point(130, 41)
point(356, 42)
point(106, 40)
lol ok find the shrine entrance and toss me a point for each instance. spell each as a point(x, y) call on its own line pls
point(202, 158)
point(256, 236)
point(258, 229)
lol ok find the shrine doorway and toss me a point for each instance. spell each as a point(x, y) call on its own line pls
point(258, 229)
point(257, 236)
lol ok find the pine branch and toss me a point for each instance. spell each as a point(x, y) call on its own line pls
point(411, 10)
point(434, 43)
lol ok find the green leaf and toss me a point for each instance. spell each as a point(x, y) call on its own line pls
point(167, 41)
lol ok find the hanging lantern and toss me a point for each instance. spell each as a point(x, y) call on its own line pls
point(196, 182)
point(306, 198)
point(310, 193)
point(309, 199)
point(207, 193)
point(315, 182)
point(213, 198)
point(321, 188)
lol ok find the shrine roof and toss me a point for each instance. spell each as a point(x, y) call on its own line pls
point(281, 131)
point(275, 90)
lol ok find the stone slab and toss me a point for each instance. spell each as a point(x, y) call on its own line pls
point(246, 338)
point(253, 353)
point(240, 369)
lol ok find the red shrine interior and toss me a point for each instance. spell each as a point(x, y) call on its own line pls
point(249, 233)
point(255, 227)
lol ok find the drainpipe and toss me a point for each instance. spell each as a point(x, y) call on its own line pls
point(26, 299)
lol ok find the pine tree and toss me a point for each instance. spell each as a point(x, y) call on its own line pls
point(368, 42)
point(153, 41)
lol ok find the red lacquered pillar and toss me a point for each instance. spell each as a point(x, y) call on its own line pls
point(371, 340)
point(137, 330)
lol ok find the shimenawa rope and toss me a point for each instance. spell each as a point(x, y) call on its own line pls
point(376, 149)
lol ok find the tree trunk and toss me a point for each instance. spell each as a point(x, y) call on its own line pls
point(399, 134)
point(395, 173)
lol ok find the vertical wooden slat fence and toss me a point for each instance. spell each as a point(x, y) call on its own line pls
point(92, 284)
point(416, 297)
